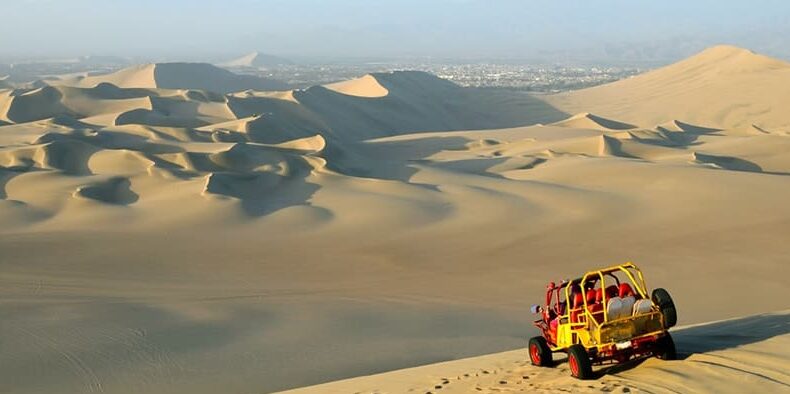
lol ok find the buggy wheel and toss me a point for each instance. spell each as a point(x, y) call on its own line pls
point(539, 352)
point(664, 301)
point(665, 348)
point(579, 362)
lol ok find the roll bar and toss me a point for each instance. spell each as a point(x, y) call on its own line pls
point(633, 273)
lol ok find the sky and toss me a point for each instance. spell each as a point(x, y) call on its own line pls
point(554, 29)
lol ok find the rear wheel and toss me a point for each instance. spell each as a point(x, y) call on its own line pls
point(579, 362)
point(539, 352)
point(665, 348)
point(664, 301)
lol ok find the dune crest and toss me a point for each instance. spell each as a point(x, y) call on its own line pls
point(723, 86)
point(586, 120)
point(729, 58)
point(678, 126)
point(366, 86)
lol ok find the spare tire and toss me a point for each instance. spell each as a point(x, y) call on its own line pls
point(664, 301)
point(665, 348)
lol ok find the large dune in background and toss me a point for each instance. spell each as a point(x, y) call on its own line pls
point(178, 240)
point(723, 86)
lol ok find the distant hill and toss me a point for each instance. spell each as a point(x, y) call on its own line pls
point(200, 76)
point(723, 86)
point(256, 60)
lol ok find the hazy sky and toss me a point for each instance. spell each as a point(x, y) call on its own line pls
point(362, 28)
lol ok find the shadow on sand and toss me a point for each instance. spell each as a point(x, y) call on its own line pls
point(716, 336)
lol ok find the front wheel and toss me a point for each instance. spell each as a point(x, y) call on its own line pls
point(539, 352)
point(579, 362)
point(665, 348)
point(664, 301)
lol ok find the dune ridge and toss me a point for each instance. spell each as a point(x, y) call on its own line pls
point(587, 120)
point(199, 76)
point(723, 86)
point(366, 86)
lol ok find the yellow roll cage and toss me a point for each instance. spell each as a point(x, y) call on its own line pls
point(588, 331)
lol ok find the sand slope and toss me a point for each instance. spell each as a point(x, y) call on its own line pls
point(721, 357)
point(287, 222)
point(367, 86)
point(194, 241)
point(723, 86)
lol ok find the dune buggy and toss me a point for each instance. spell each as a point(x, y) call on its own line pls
point(603, 317)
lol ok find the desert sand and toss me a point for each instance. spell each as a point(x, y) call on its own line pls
point(723, 86)
point(160, 237)
point(737, 355)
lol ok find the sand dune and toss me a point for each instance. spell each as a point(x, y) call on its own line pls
point(372, 106)
point(112, 191)
point(79, 103)
point(676, 125)
point(567, 181)
point(590, 121)
point(200, 76)
point(366, 86)
point(719, 357)
point(34, 105)
point(194, 240)
point(723, 86)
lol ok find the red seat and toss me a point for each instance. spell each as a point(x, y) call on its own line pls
point(591, 296)
point(578, 304)
point(626, 290)
point(597, 307)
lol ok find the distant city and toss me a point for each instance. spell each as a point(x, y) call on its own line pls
point(524, 77)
